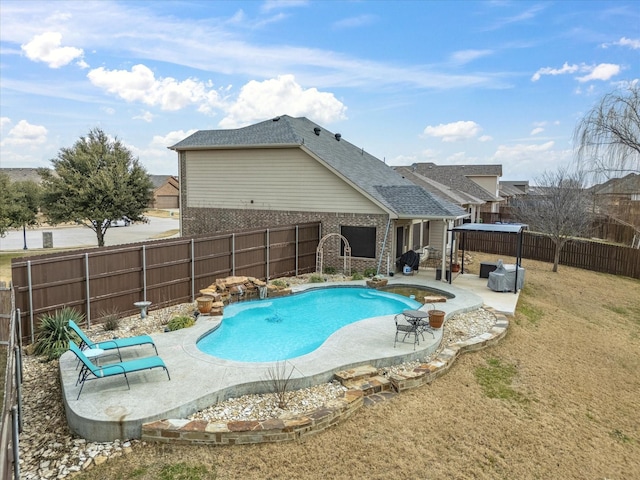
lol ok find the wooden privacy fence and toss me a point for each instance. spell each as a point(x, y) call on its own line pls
point(164, 272)
point(585, 254)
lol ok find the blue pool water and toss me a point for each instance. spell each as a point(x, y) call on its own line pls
point(287, 327)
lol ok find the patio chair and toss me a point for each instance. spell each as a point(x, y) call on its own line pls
point(115, 343)
point(90, 370)
point(406, 329)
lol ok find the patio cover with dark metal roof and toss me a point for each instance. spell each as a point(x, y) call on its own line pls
point(512, 228)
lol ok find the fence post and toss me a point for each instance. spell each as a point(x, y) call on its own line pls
point(15, 444)
point(144, 273)
point(88, 291)
point(19, 330)
point(30, 299)
point(233, 254)
point(297, 249)
point(267, 252)
point(18, 393)
point(193, 270)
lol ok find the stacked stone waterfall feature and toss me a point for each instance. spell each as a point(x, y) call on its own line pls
point(234, 289)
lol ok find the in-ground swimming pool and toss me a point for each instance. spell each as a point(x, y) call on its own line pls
point(288, 327)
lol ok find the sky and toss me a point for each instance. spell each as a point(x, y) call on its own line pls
point(448, 82)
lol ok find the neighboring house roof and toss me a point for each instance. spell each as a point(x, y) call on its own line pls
point(627, 185)
point(22, 174)
point(443, 191)
point(521, 185)
point(456, 177)
point(507, 190)
point(160, 180)
point(365, 172)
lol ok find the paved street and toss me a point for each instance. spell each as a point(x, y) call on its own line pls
point(64, 237)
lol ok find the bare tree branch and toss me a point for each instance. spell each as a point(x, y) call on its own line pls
point(608, 137)
point(558, 206)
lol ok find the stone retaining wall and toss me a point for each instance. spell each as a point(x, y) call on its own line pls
point(185, 431)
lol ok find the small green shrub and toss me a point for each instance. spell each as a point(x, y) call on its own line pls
point(278, 282)
point(316, 279)
point(370, 272)
point(111, 320)
point(330, 270)
point(357, 276)
point(176, 323)
point(52, 337)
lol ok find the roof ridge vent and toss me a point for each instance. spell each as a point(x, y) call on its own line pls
point(338, 136)
point(317, 130)
point(275, 119)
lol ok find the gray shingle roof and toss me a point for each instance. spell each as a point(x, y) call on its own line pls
point(358, 167)
point(455, 176)
point(443, 191)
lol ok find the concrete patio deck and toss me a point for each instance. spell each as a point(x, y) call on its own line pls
point(107, 410)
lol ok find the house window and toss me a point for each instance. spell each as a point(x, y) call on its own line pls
point(416, 236)
point(361, 239)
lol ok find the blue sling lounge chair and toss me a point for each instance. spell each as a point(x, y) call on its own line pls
point(90, 371)
point(116, 343)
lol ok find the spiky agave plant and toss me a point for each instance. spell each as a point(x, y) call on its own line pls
point(52, 338)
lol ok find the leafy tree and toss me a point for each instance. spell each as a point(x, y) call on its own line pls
point(26, 196)
point(559, 206)
point(608, 137)
point(5, 201)
point(95, 181)
point(19, 203)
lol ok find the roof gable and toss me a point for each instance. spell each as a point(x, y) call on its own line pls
point(359, 168)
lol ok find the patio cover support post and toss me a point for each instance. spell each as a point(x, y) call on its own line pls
point(443, 259)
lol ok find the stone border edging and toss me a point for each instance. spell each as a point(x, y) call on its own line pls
point(184, 431)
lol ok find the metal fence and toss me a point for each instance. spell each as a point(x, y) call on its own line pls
point(164, 272)
point(11, 413)
point(579, 253)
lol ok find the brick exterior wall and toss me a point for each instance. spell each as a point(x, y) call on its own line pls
point(197, 221)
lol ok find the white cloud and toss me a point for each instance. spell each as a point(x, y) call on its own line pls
point(465, 56)
point(269, 5)
point(46, 48)
point(566, 68)
point(140, 85)
point(171, 138)
point(632, 43)
point(516, 152)
point(453, 132)
point(528, 160)
point(25, 134)
point(146, 116)
point(258, 101)
point(4, 121)
point(604, 71)
point(354, 22)
point(536, 131)
point(485, 138)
